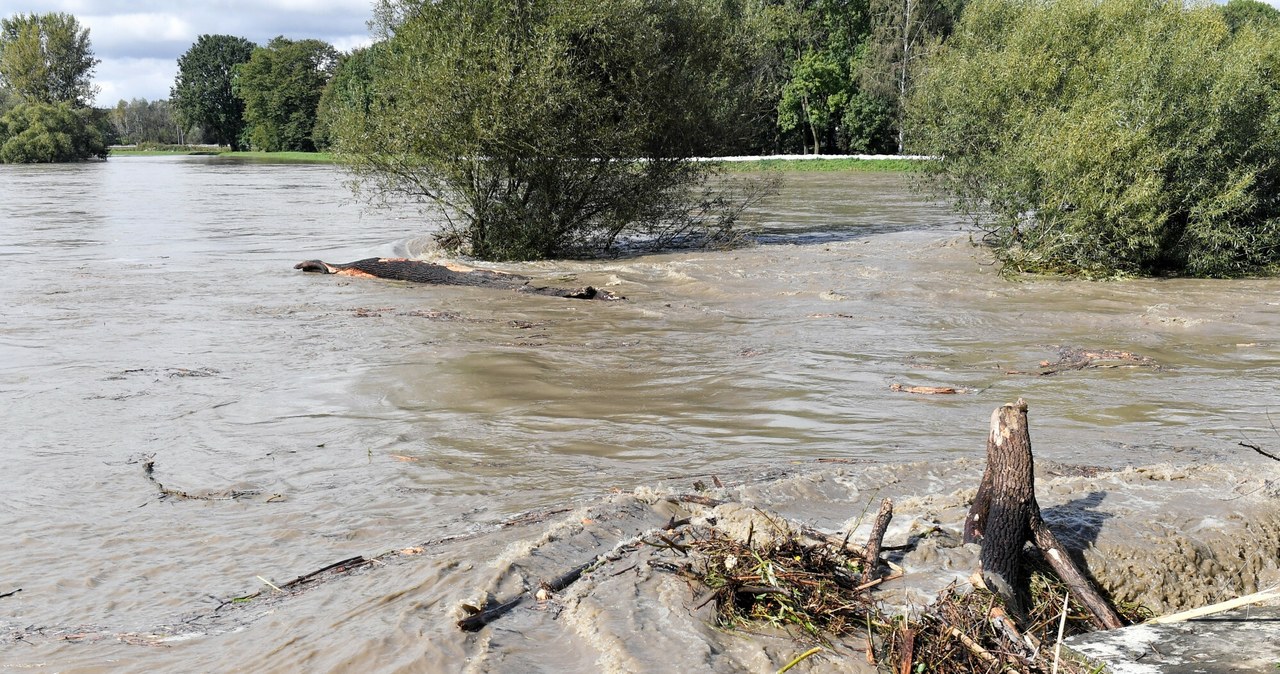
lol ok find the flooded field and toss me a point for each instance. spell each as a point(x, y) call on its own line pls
point(156, 338)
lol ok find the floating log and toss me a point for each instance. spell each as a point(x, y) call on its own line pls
point(926, 390)
point(417, 271)
point(1005, 516)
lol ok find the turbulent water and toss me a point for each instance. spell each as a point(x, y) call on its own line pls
point(155, 338)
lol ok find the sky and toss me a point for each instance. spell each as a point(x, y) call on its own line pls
point(139, 42)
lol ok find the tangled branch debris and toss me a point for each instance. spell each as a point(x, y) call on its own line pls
point(1073, 358)
point(815, 589)
point(149, 471)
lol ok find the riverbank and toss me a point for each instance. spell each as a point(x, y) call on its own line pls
point(788, 163)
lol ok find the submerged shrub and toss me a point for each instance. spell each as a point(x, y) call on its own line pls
point(43, 132)
point(548, 129)
point(1105, 137)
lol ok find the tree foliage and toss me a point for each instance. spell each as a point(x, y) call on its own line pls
point(1123, 136)
point(38, 132)
point(202, 91)
point(1238, 13)
point(550, 128)
point(142, 121)
point(281, 85)
point(814, 97)
point(349, 92)
point(47, 58)
point(904, 34)
point(818, 51)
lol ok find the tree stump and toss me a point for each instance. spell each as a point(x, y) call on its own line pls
point(1005, 516)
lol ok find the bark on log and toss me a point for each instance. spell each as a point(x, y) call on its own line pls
point(871, 559)
point(1005, 516)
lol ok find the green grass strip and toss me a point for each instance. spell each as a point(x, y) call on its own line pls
point(284, 157)
point(825, 165)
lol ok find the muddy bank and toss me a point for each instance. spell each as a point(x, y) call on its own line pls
point(1167, 536)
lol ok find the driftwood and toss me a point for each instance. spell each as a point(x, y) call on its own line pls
point(1005, 516)
point(482, 617)
point(417, 271)
point(926, 390)
point(336, 567)
point(1260, 451)
point(1071, 358)
point(872, 557)
point(1229, 605)
point(149, 472)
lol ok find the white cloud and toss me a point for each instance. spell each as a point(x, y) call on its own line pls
point(321, 6)
point(139, 41)
point(120, 28)
point(129, 78)
point(349, 42)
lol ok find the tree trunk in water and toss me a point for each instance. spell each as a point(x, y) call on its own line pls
point(1005, 515)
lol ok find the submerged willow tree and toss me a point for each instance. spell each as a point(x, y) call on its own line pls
point(547, 128)
point(46, 85)
point(1104, 137)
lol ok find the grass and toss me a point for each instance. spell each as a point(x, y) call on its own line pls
point(177, 150)
point(825, 165)
point(284, 157)
point(116, 152)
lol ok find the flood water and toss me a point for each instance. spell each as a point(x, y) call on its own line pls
point(151, 313)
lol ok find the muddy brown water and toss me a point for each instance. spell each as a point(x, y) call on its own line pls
point(151, 312)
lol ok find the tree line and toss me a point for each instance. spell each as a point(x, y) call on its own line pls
point(827, 76)
point(1082, 136)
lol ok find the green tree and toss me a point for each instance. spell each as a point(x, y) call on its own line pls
point(390, 15)
point(202, 93)
point(34, 131)
point(281, 85)
point(349, 92)
point(551, 128)
point(905, 32)
point(1126, 136)
point(142, 121)
point(818, 49)
point(1240, 12)
point(814, 97)
point(47, 58)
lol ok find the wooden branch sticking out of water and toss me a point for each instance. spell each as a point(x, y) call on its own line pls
point(1260, 451)
point(1005, 515)
point(149, 471)
point(876, 540)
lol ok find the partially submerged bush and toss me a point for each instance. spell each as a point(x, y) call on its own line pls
point(1104, 137)
point(548, 129)
point(49, 132)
